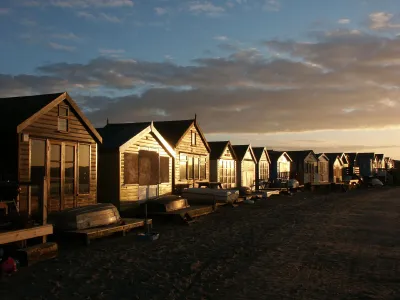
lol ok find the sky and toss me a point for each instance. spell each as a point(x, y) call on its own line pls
point(284, 74)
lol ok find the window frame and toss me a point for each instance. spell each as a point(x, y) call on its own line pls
point(193, 134)
point(60, 117)
point(78, 192)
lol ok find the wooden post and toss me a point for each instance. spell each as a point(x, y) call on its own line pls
point(44, 205)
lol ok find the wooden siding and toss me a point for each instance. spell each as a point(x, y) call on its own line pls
point(185, 147)
point(129, 193)
point(46, 127)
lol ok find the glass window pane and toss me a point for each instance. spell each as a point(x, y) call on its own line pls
point(196, 168)
point(55, 169)
point(38, 156)
point(84, 169)
point(69, 153)
point(190, 168)
point(55, 187)
point(55, 152)
point(69, 186)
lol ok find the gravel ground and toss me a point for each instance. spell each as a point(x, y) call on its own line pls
point(340, 246)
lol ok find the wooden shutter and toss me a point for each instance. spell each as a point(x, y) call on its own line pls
point(164, 169)
point(131, 170)
point(149, 167)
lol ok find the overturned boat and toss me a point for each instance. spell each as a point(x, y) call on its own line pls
point(210, 196)
point(174, 205)
point(85, 217)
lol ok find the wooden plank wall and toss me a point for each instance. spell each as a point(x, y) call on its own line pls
point(130, 192)
point(185, 146)
point(46, 127)
point(108, 177)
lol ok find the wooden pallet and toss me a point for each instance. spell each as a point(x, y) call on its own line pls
point(99, 232)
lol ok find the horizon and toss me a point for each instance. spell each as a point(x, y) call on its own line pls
point(273, 73)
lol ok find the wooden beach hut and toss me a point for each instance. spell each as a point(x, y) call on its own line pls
point(280, 164)
point(135, 164)
point(246, 165)
point(223, 164)
point(48, 136)
point(262, 166)
point(192, 159)
point(304, 166)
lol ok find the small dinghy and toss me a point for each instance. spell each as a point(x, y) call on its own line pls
point(210, 196)
point(166, 204)
point(85, 217)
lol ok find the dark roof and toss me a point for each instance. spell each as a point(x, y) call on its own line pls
point(332, 156)
point(274, 155)
point(15, 110)
point(258, 152)
point(319, 154)
point(370, 155)
point(172, 131)
point(352, 157)
point(217, 149)
point(240, 151)
point(115, 135)
point(379, 156)
point(299, 155)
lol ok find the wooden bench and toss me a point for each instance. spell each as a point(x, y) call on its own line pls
point(12, 236)
point(99, 232)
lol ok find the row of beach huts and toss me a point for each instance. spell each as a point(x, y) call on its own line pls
point(60, 161)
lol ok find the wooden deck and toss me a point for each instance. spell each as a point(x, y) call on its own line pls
point(99, 232)
point(12, 236)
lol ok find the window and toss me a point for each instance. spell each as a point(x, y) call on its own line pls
point(227, 172)
point(191, 167)
point(84, 169)
point(63, 114)
point(183, 167)
point(264, 170)
point(203, 168)
point(55, 170)
point(38, 155)
point(193, 138)
point(69, 170)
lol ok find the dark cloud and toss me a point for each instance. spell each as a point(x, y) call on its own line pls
point(341, 80)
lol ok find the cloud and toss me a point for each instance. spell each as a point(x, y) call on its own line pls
point(112, 52)
point(382, 20)
point(332, 83)
point(220, 38)
point(65, 36)
point(109, 18)
point(60, 47)
point(205, 7)
point(101, 16)
point(271, 5)
point(81, 3)
point(160, 11)
point(344, 21)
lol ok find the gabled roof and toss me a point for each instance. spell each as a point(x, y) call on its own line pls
point(241, 150)
point(333, 156)
point(275, 155)
point(379, 156)
point(118, 135)
point(115, 135)
point(218, 148)
point(300, 155)
point(258, 152)
point(319, 155)
point(173, 131)
point(17, 113)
